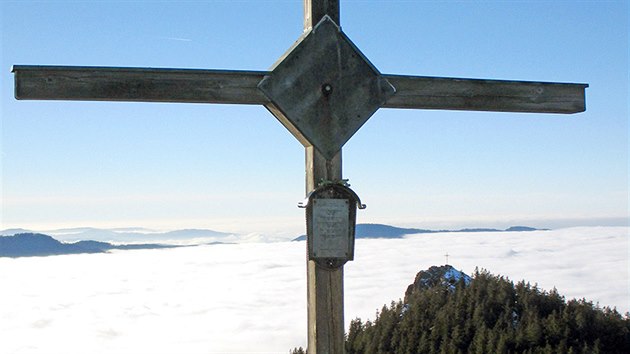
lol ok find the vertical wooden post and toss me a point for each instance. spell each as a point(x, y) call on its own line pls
point(314, 10)
point(324, 286)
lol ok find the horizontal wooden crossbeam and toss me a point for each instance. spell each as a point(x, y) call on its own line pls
point(240, 87)
point(421, 92)
point(137, 84)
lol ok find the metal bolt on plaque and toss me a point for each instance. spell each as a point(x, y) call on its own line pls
point(331, 214)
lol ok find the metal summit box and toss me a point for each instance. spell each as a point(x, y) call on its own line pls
point(331, 213)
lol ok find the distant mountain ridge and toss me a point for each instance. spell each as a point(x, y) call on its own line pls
point(131, 235)
point(34, 244)
point(388, 231)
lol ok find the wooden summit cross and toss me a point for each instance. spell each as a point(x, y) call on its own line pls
point(322, 90)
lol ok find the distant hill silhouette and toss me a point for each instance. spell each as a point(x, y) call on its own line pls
point(10, 232)
point(123, 235)
point(388, 231)
point(33, 244)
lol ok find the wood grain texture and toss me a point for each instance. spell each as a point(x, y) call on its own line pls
point(325, 310)
point(324, 286)
point(485, 95)
point(240, 87)
point(137, 84)
point(315, 10)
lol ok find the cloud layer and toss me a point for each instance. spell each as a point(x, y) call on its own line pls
point(251, 298)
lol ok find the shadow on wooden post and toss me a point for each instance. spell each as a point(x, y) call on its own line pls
point(324, 286)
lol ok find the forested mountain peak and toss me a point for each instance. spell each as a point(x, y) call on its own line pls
point(488, 314)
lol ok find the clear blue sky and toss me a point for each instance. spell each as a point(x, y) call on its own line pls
point(235, 168)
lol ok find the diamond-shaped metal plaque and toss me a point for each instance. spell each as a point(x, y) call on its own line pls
point(323, 89)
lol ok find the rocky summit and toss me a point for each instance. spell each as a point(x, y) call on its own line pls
point(445, 276)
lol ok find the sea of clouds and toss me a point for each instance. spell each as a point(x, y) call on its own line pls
point(251, 298)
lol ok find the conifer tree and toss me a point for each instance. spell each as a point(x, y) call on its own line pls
point(490, 315)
